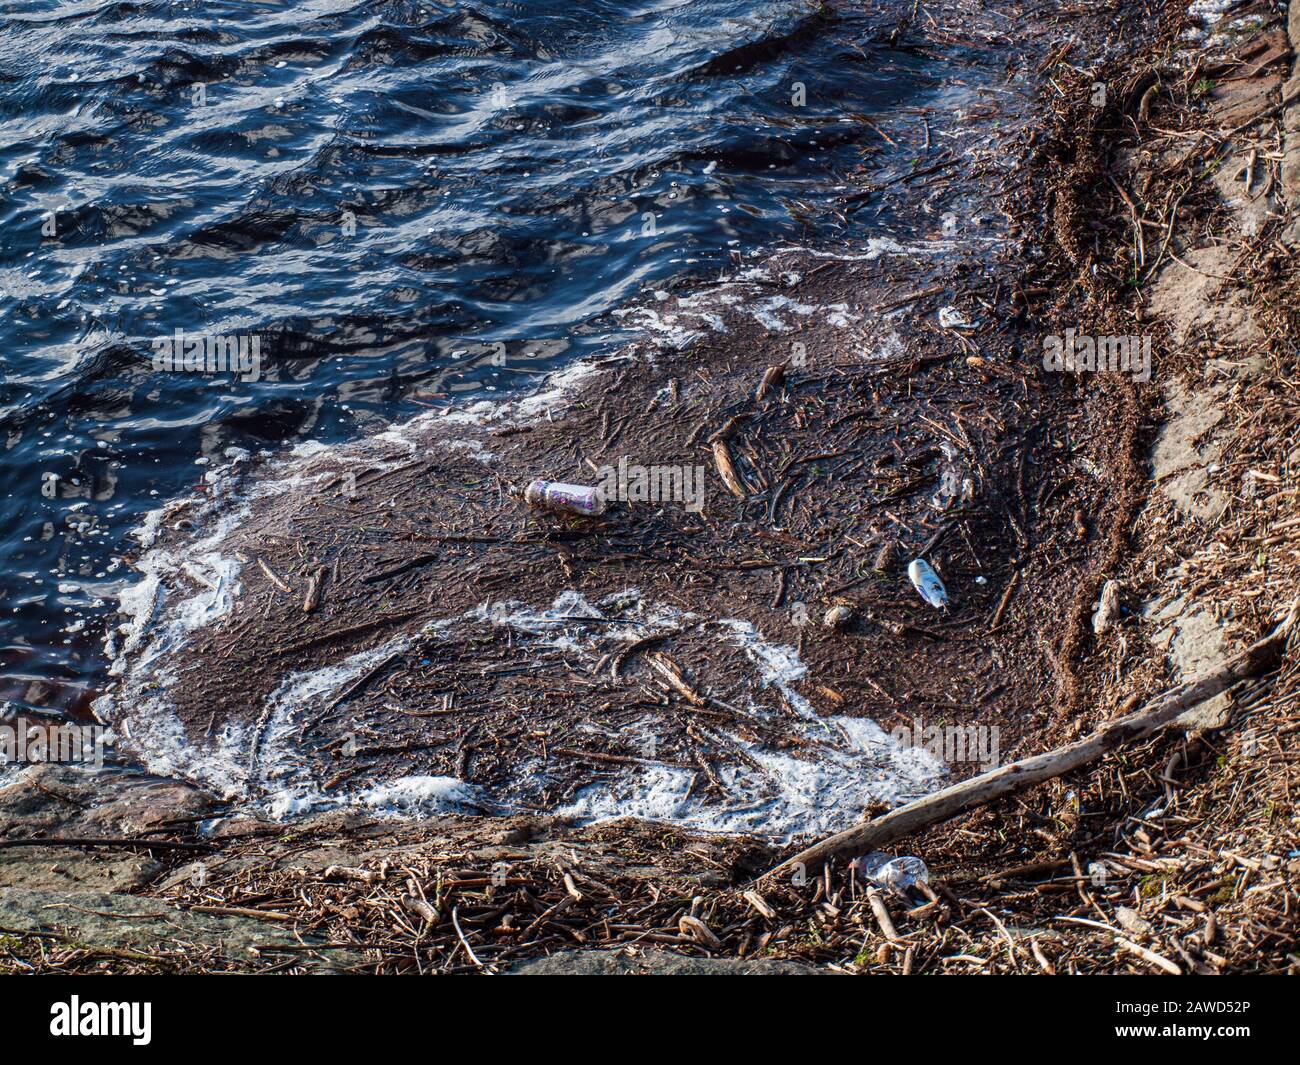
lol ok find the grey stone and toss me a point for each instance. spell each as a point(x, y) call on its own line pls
point(76, 801)
point(1198, 645)
point(154, 926)
point(1180, 461)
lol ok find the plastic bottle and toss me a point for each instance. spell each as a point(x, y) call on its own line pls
point(572, 498)
point(927, 582)
point(898, 874)
point(837, 617)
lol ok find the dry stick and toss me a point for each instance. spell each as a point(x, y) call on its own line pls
point(1149, 956)
point(311, 597)
point(455, 923)
point(274, 577)
point(759, 903)
point(1008, 779)
point(727, 469)
point(1012, 585)
point(668, 669)
point(882, 915)
point(242, 911)
point(773, 377)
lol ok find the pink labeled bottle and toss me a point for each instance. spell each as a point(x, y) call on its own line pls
point(570, 498)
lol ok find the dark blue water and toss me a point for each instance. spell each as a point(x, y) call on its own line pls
point(401, 204)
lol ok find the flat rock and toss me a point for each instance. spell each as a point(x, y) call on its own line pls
point(1198, 645)
point(153, 926)
point(1194, 642)
point(50, 801)
point(1181, 457)
point(73, 869)
point(1191, 295)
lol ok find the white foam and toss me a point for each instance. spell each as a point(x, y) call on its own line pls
point(422, 796)
point(668, 329)
point(1210, 11)
point(784, 797)
point(856, 764)
point(663, 328)
point(180, 589)
point(878, 246)
point(475, 449)
point(765, 312)
point(851, 763)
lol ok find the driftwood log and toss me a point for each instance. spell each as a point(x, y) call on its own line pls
point(1016, 776)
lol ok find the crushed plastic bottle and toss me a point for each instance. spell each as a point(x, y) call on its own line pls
point(573, 498)
point(955, 483)
point(927, 582)
point(951, 318)
point(837, 617)
point(899, 874)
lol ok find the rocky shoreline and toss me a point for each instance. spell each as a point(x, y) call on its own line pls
point(398, 633)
